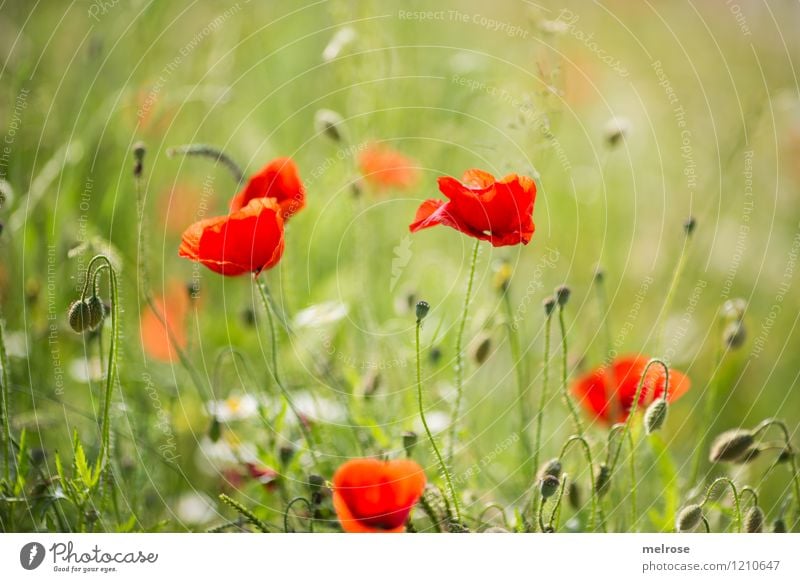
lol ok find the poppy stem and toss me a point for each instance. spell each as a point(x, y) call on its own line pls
point(460, 355)
point(673, 285)
point(522, 383)
point(442, 465)
point(276, 375)
point(4, 405)
point(555, 515)
point(548, 321)
point(590, 460)
point(208, 151)
point(764, 425)
point(564, 374)
point(736, 503)
point(289, 505)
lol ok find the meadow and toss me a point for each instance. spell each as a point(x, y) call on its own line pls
point(329, 266)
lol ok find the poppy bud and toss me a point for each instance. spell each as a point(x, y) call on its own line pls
point(97, 311)
point(138, 156)
point(602, 481)
point(549, 485)
point(329, 123)
point(286, 454)
point(730, 445)
point(734, 335)
point(502, 276)
point(574, 495)
point(422, 310)
point(749, 455)
point(80, 316)
point(481, 348)
point(549, 305)
point(616, 129)
point(655, 415)
point(562, 295)
point(551, 467)
point(409, 442)
point(754, 520)
point(779, 526)
point(689, 225)
point(786, 455)
point(734, 309)
point(315, 484)
point(689, 517)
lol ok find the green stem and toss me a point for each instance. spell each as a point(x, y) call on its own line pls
point(603, 302)
point(673, 287)
point(4, 404)
point(522, 384)
point(460, 354)
point(289, 505)
point(556, 513)
point(276, 376)
point(208, 151)
point(763, 426)
point(737, 506)
point(588, 452)
point(442, 465)
point(576, 419)
point(545, 388)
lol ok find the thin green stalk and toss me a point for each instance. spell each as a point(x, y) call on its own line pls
point(522, 383)
point(710, 397)
point(442, 465)
point(460, 354)
point(275, 374)
point(4, 403)
point(589, 459)
point(736, 503)
point(576, 419)
point(556, 513)
point(289, 505)
point(673, 287)
point(545, 388)
point(209, 151)
point(602, 300)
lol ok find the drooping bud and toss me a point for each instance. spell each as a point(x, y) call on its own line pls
point(779, 526)
point(97, 311)
point(785, 455)
point(562, 295)
point(735, 334)
point(409, 442)
point(549, 305)
point(316, 486)
point(749, 455)
point(655, 415)
point(754, 520)
point(481, 347)
point(422, 310)
point(730, 445)
point(80, 316)
point(329, 123)
point(602, 480)
point(689, 517)
point(689, 225)
point(548, 486)
point(574, 495)
point(552, 467)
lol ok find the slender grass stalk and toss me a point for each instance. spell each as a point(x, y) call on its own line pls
point(523, 391)
point(248, 515)
point(688, 228)
point(442, 465)
point(589, 459)
point(276, 375)
point(576, 418)
point(763, 426)
point(5, 404)
point(736, 502)
point(460, 355)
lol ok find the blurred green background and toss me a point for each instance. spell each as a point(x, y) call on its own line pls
point(706, 91)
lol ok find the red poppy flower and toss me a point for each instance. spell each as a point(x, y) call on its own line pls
point(279, 180)
point(383, 167)
point(372, 496)
point(173, 307)
point(246, 241)
point(482, 207)
point(607, 392)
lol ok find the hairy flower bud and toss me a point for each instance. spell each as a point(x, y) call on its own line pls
point(602, 480)
point(549, 305)
point(549, 485)
point(731, 444)
point(779, 526)
point(562, 295)
point(80, 316)
point(689, 517)
point(735, 334)
point(97, 311)
point(552, 467)
point(422, 310)
point(655, 415)
point(754, 520)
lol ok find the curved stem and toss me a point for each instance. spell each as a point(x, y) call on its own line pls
point(737, 506)
point(442, 465)
point(576, 419)
point(276, 376)
point(588, 452)
point(763, 426)
point(289, 508)
point(460, 355)
point(208, 151)
point(489, 507)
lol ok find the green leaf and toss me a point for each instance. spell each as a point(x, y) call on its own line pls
point(80, 464)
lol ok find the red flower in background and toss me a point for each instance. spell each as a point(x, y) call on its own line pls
point(500, 211)
point(383, 167)
point(174, 307)
point(279, 180)
point(372, 496)
point(607, 392)
point(248, 240)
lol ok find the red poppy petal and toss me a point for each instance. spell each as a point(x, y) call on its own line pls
point(592, 393)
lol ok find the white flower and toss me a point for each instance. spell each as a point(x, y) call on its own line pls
point(320, 314)
point(343, 37)
point(86, 370)
point(235, 407)
point(213, 458)
point(193, 508)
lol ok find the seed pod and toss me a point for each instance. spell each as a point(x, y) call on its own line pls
point(562, 295)
point(730, 445)
point(481, 348)
point(689, 517)
point(548, 486)
point(80, 316)
point(551, 467)
point(655, 415)
point(422, 310)
point(574, 495)
point(602, 480)
point(97, 311)
point(779, 526)
point(754, 520)
point(735, 334)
